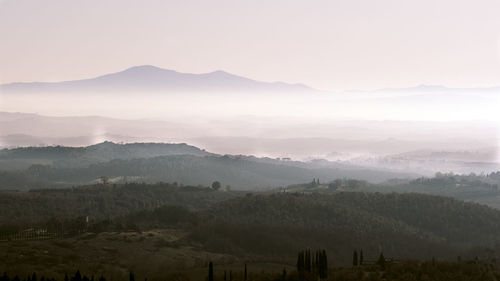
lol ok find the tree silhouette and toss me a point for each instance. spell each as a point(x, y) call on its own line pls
point(308, 261)
point(216, 185)
point(381, 261)
point(245, 275)
point(300, 261)
point(210, 272)
point(77, 277)
point(323, 265)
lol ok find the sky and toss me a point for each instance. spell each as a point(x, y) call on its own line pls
point(331, 45)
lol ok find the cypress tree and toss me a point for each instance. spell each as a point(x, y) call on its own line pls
point(131, 276)
point(321, 265)
point(224, 275)
point(78, 276)
point(381, 261)
point(210, 272)
point(312, 262)
point(308, 261)
point(245, 275)
point(284, 274)
point(300, 261)
point(316, 262)
point(361, 257)
point(325, 265)
point(355, 258)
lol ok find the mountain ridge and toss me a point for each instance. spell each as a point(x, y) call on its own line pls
point(148, 77)
point(153, 78)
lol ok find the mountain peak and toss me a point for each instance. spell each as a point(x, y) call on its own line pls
point(220, 72)
point(145, 68)
point(142, 67)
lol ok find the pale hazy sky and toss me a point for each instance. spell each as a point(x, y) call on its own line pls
point(330, 45)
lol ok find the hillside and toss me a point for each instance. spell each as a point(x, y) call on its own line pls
point(193, 224)
point(400, 225)
point(239, 172)
point(100, 202)
point(74, 157)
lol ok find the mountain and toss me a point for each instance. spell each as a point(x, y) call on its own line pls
point(151, 78)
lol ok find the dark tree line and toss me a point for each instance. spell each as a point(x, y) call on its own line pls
point(211, 273)
point(357, 260)
point(312, 264)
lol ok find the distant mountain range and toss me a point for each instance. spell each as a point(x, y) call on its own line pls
point(151, 78)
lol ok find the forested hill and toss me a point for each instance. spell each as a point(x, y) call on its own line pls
point(235, 171)
point(400, 225)
point(72, 157)
point(58, 166)
point(273, 226)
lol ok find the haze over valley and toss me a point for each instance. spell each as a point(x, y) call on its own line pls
point(229, 114)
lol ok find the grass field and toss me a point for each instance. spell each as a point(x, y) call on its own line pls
point(157, 255)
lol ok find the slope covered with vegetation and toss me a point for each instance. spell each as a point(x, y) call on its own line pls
point(240, 172)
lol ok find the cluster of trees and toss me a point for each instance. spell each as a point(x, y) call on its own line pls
point(229, 277)
point(347, 184)
point(488, 181)
point(357, 261)
point(315, 266)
